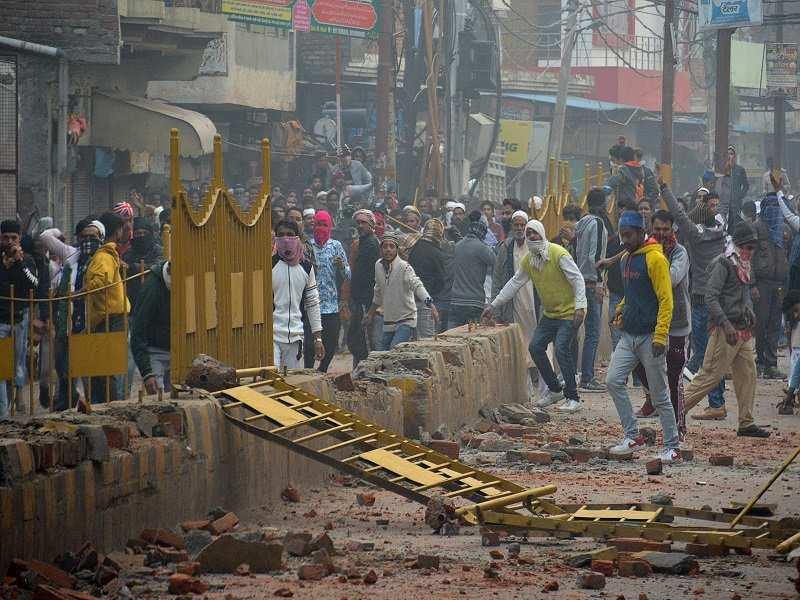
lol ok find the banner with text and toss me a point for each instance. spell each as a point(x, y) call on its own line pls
point(725, 14)
point(782, 70)
point(525, 144)
point(352, 18)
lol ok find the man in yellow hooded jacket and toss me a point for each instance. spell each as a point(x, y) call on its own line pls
point(644, 317)
point(107, 307)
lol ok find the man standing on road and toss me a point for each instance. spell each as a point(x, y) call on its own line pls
point(731, 318)
point(428, 260)
point(644, 317)
point(562, 291)
point(591, 239)
point(473, 261)
point(365, 253)
point(704, 238)
point(150, 341)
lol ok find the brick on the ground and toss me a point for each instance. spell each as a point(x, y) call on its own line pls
point(365, 499)
point(188, 568)
point(427, 561)
point(606, 567)
point(634, 568)
point(297, 543)
point(673, 563)
point(721, 460)
point(447, 447)
point(706, 550)
point(190, 525)
point(224, 524)
point(163, 537)
point(584, 559)
point(312, 572)
point(52, 574)
point(638, 545)
point(591, 581)
point(654, 467)
point(182, 584)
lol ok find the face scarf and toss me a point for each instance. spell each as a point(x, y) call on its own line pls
point(323, 225)
point(668, 242)
point(740, 257)
point(537, 249)
point(143, 244)
point(88, 247)
point(290, 249)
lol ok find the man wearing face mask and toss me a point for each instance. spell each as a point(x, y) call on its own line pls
point(562, 291)
point(145, 251)
point(730, 345)
point(294, 291)
point(150, 324)
point(89, 234)
point(364, 253)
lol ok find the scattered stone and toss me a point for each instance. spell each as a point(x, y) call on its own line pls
point(224, 524)
point(496, 554)
point(191, 568)
point(283, 593)
point(591, 581)
point(322, 542)
point(163, 537)
point(243, 570)
point(311, 572)
point(687, 454)
point(606, 567)
point(370, 578)
point(191, 525)
point(490, 538)
point(449, 448)
point(321, 557)
point(706, 550)
point(720, 460)
point(105, 575)
point(96, 442)
point(550, 586)
point(356, 546)
point(649, 435)
point(195, 540)
point(513, 550)
point(579, 455)
point(674, 563)
point(344, 382)
point(290, 494)
point(51, 573)
point(382, 522)
point(560, 456)
point(584, 559)
point(297, 544)
point(654, 467)
point(145, 421)
point(638, 545)
point(184, 584)
point(227, 552)
point(365, 499)
point(661, 499)
point(634, 568)
point(575, 441)
point(427, 561)
point(209, 374)
point(491, 572)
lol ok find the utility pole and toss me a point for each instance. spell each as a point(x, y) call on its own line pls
point(384, 148)
point(339, 140)
point(723, 97)
point(667, 92)
point(560, 110)
point(411, 81)
point(779, 124)
point(456, 115)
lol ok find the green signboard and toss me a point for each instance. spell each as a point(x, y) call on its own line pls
point(353, 18)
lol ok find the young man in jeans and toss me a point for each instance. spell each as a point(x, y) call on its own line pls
point(561, 288)
point(644, 317)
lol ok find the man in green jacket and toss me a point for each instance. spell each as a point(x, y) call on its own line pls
point(150, 342)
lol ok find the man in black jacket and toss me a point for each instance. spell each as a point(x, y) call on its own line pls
point(428, 260)
point(17, 269)
point(150, 342)
point(362, 282)
point(144, 253)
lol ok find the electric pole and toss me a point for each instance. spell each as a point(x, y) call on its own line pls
point(779, 125)
point(723, 97)
point(384, 148)
point(667, 92)
point(560, 110)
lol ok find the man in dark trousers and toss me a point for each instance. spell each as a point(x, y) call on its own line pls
point(150, 341)
point(428, 260)
point(362, 283)
point(473, 261)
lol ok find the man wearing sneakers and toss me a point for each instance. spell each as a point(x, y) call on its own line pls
point(562, 291)
point(644, 317)
point(731, 319)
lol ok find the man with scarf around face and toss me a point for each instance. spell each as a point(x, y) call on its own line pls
point(703, 235)
point(145, 251)
point(365, 252)
point(730, 346)
point(562, 291)
point(397, 288)
point(643, 316)
point(680, 327)
point(473, 260)
point(770, 270)
point(428, 261)
point(294, 292)
point(331, 270)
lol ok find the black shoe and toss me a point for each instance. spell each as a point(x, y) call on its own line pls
point(752, 431)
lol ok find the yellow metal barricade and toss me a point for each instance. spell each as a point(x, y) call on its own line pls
point(221, 262)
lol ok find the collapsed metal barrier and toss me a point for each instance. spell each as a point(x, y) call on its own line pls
point(273, 409)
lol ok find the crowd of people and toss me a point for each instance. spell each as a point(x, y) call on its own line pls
point(697, 286)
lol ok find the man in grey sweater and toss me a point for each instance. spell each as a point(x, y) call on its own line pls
point(731, 347)
point(704, 238)
point(472, 262)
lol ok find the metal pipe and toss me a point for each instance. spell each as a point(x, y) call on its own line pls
point(508, 500)
point(32, 47)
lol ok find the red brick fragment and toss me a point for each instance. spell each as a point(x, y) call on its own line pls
point(185, 584)
point(190, 525)
point(635, 568)
point(365, 499)
point(312, 572)
point(654, 467)
point(190, 568)
point(550, 586)
point(591, 581)
point(706, 550)
point(52, 574)
point(639, 545)
point(290, 494)
point(720, 460)
point(116, 436)
point(496, 554)
point(446, 447)
point(606, 567)
point(163, 537)
point(224, 524)
point(370, 578)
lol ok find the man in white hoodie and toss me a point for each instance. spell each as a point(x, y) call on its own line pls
point(397, 288)
point(294, 293)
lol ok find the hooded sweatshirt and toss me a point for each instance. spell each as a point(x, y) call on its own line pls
point(151, 322)
point(647, 305)
point(104, 270)
point(703, 243)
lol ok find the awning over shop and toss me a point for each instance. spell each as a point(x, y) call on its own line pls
point(142, 125)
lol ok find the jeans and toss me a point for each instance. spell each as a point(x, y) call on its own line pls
point(159, 363)
point(560, 332)
point(403, 333)
point(631, 350)
point(716, 397)
point(461, 315)
point(613, 301)
point(113, 382)
point(20, 352)
point(676, 360)
point(426, 326)
point(591, 335)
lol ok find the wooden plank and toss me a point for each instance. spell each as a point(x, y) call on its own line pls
point(395, 464)
point(615, 515)
point(274, 410)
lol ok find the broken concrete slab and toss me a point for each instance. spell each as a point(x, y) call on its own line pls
point(227, 552)
point(674, 563)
